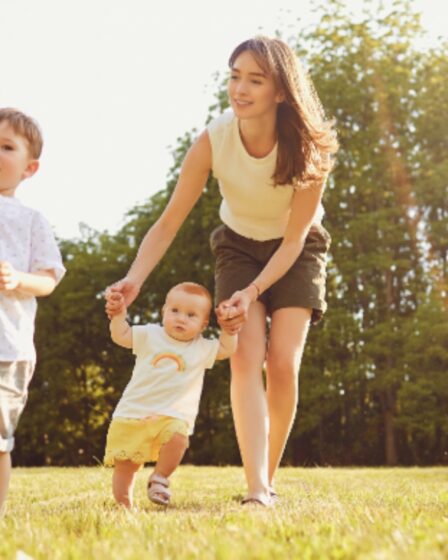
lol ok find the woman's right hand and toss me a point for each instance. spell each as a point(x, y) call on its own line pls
point(192, 178)
point(127, 288)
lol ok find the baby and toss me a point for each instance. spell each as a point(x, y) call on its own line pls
point(158, 408)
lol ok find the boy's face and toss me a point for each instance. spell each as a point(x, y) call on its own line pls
point(15, 161)
point(185, 315)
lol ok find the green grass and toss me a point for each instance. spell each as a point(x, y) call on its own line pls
point(56, 513)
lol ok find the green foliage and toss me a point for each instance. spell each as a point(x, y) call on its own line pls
point(360, 384)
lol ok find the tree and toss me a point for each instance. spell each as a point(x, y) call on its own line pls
point(367, 73)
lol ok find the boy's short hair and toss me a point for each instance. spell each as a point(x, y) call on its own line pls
point(195, 289)
point(24, 126)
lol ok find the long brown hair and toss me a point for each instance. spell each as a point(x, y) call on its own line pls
point(306, 139)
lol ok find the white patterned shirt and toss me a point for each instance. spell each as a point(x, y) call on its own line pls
point(28, 244)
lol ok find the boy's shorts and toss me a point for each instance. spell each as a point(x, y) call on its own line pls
point(139, 439)
point(239, 260)
point(14, 380)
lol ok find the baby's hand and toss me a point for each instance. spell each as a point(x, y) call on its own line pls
point(9, 277)
point(115, 305)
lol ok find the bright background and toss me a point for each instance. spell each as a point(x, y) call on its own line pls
point(114, 84)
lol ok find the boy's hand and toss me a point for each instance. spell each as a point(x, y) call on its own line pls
point(115, 305)
point(9, 277)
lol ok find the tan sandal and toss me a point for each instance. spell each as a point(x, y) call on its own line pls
point(158, 491)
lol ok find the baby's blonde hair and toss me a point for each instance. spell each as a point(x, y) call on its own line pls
point(24, 126)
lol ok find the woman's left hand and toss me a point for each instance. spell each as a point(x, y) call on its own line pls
point(233, 312)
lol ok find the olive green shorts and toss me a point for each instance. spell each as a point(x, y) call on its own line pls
point(239, 260)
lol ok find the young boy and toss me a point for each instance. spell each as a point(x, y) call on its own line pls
point(30, 266)
point(158, 408)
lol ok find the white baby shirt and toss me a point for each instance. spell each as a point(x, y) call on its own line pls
point(168, 375)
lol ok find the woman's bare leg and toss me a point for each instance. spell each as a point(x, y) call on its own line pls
point(289, 329)
point(248, 396)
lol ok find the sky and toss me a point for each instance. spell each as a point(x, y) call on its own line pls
point(114, 83)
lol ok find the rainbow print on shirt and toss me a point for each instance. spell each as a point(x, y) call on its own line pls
point(169, 356)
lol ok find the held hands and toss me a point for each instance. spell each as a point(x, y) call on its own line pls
point(115, 306)
point(9, 277)
point(127, 290)
point(232, 313)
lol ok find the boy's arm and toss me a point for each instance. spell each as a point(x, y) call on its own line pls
point(40, 283)
point(227, 345)
point(121, 330)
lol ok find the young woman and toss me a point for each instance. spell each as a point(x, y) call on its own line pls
point(271, 155)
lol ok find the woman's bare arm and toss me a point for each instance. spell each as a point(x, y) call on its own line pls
point(303, 210)
point(192, 178)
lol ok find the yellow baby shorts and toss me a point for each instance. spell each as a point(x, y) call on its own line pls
point(139, 439)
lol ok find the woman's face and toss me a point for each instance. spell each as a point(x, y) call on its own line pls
point(252, 92)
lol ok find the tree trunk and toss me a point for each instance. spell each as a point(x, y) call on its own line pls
point(387, 396)
point(387, 400)
point(321, 443)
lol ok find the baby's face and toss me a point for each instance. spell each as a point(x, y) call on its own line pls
point(185, 315)
point(15, 160)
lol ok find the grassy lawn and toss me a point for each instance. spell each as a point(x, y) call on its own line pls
point(56, 513)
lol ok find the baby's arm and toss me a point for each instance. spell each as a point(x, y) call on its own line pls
point(40, 283)
point(227, 345)
point(120, 330)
